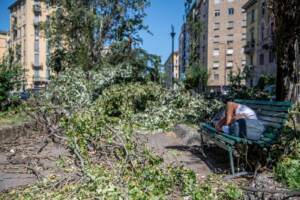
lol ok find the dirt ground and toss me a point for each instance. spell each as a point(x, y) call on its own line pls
point(21, 163)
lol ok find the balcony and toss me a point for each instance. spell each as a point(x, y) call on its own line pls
point(267, 43)
point(14, 27)
point(37, 9)
point(250, 46)
point(36, 22)
point(244, 24)
point(36, 66)
point(38, 80)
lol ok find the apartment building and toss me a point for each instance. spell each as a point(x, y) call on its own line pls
point(222, 39)
point(28, 40)
point(260, 35)
point(172, 73)
point(183, 51)
point(3, 44)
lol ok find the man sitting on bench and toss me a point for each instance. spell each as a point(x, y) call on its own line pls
point(234, 112)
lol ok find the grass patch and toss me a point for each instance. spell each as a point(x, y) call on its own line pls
point(13, 117)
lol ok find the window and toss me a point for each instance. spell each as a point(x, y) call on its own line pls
point(216, 52)
point(263, 8)
point(252, 34)
point(251, 82)
point(48, 74)
point(36, 74)
point(271, 57)
point(262, 59)
point(244, 23)
point(229, 42)
point(230, 24)
point(243, 63)
point(36, 59)
point(36, 33)
point(262, 32)
point(216, 65)
point(272, 28)
point(230, 11)
point(230, 37)
point(229, 64)
point(244, 36)
point(252, 16)
point(217, 26)
point(36, 46)
point(251, 60)
point(216, 77)
point(230, 0)
point(229, 51)
point(217, 13)
point(217, 1)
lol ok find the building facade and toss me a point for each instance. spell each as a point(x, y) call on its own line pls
point(183, 51)
point(260, 36)
point(28, 40)
point(172, 73)
point(222, 39)
point(3, 44)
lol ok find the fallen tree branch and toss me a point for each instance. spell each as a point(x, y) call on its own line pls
point(77, 153)
point(287, 192)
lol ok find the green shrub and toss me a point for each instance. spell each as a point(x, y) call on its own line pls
point(287, 169)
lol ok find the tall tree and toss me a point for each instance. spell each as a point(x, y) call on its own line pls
point(287, 38)
point(197, 75)
point(10, 78)
point(80, 30)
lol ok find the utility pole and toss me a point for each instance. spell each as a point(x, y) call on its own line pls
point(172, 55)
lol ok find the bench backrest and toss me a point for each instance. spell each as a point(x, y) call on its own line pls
point(273, 114)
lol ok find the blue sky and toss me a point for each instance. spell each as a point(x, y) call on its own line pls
point(161, 15)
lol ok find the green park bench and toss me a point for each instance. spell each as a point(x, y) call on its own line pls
point(272, 114)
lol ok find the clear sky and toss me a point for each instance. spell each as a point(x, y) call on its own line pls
point(161, 15)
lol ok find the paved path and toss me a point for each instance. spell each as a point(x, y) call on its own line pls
point(181, 147)
point(175, 150)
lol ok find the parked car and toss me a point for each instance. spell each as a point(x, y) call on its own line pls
point(24, 95)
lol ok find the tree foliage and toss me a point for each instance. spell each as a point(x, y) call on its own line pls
point(10, 79)
point(81, 32)
point(238, 89)
point(197, 76)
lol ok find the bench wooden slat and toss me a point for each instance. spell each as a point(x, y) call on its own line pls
point(272, 125)
point(270, 135)
point(257, 102)
point(218, 135)
point(259, 108)
point(279, 115)
point(271, 119)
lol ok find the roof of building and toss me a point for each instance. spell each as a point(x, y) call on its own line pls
point(14, 4)
point(248, 4)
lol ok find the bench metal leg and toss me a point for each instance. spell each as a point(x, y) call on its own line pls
point(202, 146)
point(231, 161)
